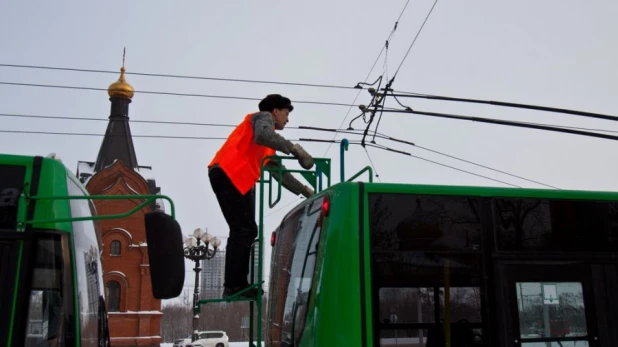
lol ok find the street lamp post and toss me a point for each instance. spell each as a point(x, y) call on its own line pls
point(196, 249)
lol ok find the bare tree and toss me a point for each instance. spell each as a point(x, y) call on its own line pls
point(176, 322)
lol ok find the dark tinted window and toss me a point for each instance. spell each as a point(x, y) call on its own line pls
point(420, 312)
point(424, 222)
point(416, 241)
point(11, 186)
point(9, 257)
point(558, 225)
point(417, 305)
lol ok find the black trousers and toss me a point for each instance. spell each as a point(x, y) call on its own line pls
point(239, 212)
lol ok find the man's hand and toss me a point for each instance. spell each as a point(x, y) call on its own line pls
point(307, 192)
point(305, 160)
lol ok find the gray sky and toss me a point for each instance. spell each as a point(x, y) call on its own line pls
point(555, 53)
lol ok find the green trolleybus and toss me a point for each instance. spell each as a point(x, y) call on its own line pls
point(367, 264)
point(51, 284)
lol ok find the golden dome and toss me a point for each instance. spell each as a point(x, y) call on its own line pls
point(120, 88)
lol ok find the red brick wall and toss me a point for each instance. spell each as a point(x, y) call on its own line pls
point(138, 321)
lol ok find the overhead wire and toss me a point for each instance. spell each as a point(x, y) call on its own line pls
point(107, 120)
point(500, 103)
point(376, 134)
point(385, 46)
point(355, 98)
point(101, 135)
point(372, 165)
point(178, 76)
point(383, 136)
point(224, 138)
point(168, 93)
point(198, 78)
point(392, 80)
point(398, 93)
point(504, 122)
point(353, 132)
point(486, 167)
point(415, 38)
point(348, 131)
point(413, 156)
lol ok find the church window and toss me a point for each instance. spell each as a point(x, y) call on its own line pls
point(113, 296)
point(115, 248)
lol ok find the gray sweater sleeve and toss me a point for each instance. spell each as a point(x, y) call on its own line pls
point(288, 181)
point(263, 133)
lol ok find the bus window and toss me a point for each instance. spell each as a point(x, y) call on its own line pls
point(88, 266)
point(418, 242)
point(50, 305)
point(11, 187)
point(9, 257)
point(294, 260)
point(551, 310)
point(427, 222)
point(280, 276)
point(555, 225)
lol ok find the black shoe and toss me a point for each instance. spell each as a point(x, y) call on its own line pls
point(250, 294)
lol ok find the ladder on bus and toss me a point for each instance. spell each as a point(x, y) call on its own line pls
point(315, 177)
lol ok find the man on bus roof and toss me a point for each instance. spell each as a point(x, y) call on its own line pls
point(233, 173)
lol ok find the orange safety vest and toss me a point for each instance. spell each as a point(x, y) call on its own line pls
point(240, 158)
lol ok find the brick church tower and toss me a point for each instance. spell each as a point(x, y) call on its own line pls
point(134, 314)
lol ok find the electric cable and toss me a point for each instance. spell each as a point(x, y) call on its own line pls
point(413, 156)
point(358, 85)
point(504, 122)
point(224, 138)
point(380, 135)
point(500, 103)
point(177, 76)
point(167, 93)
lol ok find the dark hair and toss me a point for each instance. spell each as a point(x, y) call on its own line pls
point(273, 101)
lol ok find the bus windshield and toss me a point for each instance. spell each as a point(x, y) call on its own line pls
point(292, 273)
point(11, 186)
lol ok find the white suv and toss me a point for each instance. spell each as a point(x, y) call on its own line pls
point(182, 342)
point(211, 339)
